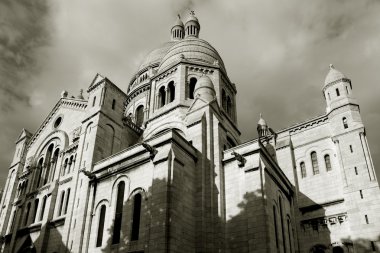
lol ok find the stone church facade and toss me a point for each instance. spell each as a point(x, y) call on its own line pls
point(162, 168)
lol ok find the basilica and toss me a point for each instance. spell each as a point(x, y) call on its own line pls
point(161, 168)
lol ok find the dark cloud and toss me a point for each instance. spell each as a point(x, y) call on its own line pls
point(277, 53)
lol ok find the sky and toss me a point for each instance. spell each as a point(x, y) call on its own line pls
point(277, 52)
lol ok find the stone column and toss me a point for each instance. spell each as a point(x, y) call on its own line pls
point(366, 156)
point(344, 178)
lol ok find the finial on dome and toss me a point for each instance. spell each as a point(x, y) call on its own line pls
point(177, 31)
point(192, 26)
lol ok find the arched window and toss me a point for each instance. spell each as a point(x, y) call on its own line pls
point(275, 225)
point(303, 169)
point(327, 162)
point(229, 106)
point(314, 162)
point(139, 115)
point(48, 162)
point(192, 83)
point(118, 213)
point(27, 213)
point(67, 200)
point(345, 124)
point(224, 100)
point(39, 172)
point(43, 208)
point(93, 101)
point(35, 210)
point(102, 215)
point(171, 92)
point(136, 217)
point(55, 162)
point(65, 166)
point(71, 164)
point(282, 224)
point(113, 104)
point(161, 97)
point(337, 92)
point(60, 208)
point(13, 221)
point(290, 235)
point(25, 187)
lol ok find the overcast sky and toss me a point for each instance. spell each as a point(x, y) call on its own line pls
point(277, 52)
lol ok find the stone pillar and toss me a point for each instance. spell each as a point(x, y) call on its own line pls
point(366, 156)
point(344, 178)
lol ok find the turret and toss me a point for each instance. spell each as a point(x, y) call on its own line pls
point(178, 30)
point(337, 90)
point(192, 26)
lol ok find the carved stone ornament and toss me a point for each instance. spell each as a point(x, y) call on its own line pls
point(29, 162)
point(76, 133)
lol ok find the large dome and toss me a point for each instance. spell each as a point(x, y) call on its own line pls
point(155, 56)
point(192, 49)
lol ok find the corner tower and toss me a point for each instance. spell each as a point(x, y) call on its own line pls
point(360, 186)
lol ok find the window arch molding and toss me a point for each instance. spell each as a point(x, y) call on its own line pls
point(101, 202)
point(115, 184)
point(137, 190)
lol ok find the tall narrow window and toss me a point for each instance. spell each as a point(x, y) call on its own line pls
point(136, 217)
point(275, 225)
point(43, 208)
point(327, 162)
point(289, 235)
point(345, 124)
point(139, 115)
point(161, 96)
point(361, 194)
point(113, 104)
point(282, 224)
point(356, 170)
point(314, 162)
point(67, 200)
point(229, 106)
point(192, 83)
point(93, 101)
point(118, 213)
point(48, 163)
point(303, 169)
point(171, 92)
point(65, 164)
point(347, 90)
point(35, 210)
point(366, 219)
point(337, 92)
point(224, 100)
point(55, 162)
point(60, 208)
point(351, 150)
point(13, 221)
point(39, 172)
point(27, 214)
point(102, 215)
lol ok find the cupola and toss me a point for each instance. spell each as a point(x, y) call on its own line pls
point(262, 127)
point(192, 26)
point(178, 30)
point(204, 89)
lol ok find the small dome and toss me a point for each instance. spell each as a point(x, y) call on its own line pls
point(192, 17)
point(194, 50)
point(333, 75)
point(178, 22)
point(261, 121)
point(204, 88)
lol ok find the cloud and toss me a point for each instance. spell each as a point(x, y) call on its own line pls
point(277, 53)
